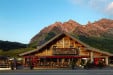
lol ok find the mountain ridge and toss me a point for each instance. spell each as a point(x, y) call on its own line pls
point(98, 34)
point(97, 28)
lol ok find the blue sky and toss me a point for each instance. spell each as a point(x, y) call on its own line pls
point(20, 20)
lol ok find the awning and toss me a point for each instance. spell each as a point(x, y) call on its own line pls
point(56, 56)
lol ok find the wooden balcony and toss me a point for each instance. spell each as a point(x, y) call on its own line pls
point(65, 51)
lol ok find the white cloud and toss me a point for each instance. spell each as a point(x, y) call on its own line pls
point(109, 8)
point(98, 4)
point(95, 4)
point(102, 6)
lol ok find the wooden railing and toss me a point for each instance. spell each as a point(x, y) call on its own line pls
point(4, 65)
point(65, 51)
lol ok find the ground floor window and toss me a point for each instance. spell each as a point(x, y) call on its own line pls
point(59, 62)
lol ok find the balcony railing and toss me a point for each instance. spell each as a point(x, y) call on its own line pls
point(65, 51)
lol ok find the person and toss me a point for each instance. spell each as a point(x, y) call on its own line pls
point(72, 64)
point(31, 65)
point(12, 66)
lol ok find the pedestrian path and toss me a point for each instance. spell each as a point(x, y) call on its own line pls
point(5, 69)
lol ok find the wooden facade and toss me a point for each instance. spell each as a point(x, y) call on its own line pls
point(61, 50)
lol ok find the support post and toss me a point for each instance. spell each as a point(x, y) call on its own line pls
point(106, 60)
point(91, 56)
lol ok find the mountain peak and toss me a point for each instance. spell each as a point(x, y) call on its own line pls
point(104, 19)
point(71, 21)
point(58, 23)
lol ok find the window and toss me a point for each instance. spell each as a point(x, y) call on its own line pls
point(54, 46)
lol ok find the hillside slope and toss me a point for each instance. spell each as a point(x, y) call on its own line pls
point(7, 45)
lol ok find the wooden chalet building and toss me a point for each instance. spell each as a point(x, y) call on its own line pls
point(61, 50)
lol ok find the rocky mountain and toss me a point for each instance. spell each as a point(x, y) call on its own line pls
point(52, 30)
point(101, 29)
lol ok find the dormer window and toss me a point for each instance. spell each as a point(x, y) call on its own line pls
point(54, 46)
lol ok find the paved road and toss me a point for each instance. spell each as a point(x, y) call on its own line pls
point(57, 72)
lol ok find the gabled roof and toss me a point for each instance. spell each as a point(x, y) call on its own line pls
point(64, 33)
